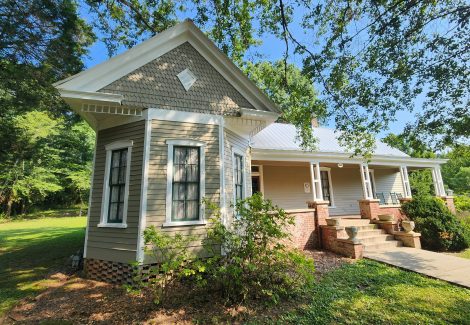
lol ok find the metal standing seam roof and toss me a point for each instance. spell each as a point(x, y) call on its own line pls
point(279, 136)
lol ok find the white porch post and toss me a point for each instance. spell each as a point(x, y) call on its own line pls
point(366, 184)
point(315, 176)
point(438, 183)
point(405, 181)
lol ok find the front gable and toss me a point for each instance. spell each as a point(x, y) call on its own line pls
point(156, 84)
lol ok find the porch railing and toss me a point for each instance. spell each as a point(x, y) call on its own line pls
point(388, 198)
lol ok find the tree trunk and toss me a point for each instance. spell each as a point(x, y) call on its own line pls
point(9, 204)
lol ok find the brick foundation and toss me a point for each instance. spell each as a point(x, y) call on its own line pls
point(369, 209)
point(107, 271)
point(304, 233)
point(334, 239)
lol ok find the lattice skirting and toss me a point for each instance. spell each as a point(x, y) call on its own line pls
point(107, 271)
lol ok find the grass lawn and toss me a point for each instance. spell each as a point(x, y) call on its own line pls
point(32, 249)
point(373, 293)
point(464, 254)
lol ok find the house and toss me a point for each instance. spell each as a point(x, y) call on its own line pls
point(176, 121)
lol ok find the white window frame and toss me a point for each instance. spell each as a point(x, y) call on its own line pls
point(110, 147)
point(332, 196)
point(169, 181)
point(239, 152)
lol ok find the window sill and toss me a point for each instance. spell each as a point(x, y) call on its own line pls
point(112, 225)
point(184, 223)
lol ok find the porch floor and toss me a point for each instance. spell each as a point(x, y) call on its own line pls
point(436, 265)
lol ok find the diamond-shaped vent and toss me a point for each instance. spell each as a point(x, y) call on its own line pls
point(187, 78)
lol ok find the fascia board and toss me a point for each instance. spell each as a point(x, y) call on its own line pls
point(93, 96)
point(293, 155)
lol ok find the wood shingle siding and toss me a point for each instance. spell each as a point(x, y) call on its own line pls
point(157, 173)
point(156, 84)
point(115, 244)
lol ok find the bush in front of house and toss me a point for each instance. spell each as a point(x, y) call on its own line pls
point(462, 203)
point(255, 262)
point(440, 229)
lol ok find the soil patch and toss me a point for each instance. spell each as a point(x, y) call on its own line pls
point(75, 300)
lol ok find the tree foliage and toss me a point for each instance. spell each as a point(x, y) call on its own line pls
point(369, 59)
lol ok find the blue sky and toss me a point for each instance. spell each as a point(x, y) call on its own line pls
point(271, 49)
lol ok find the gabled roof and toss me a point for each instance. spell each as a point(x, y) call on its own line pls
point(278, 136)
point(101, 75)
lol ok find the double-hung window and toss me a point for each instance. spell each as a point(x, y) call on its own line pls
point(238, 177)
point(185, 183)
point(116, 184)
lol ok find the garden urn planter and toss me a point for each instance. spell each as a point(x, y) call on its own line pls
point(352, 234)
point(386, 217)
point(408, 226)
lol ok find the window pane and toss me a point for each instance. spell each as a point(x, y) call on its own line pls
point(193, 156)
point(115, 158)
point(178, 210)
point(115, 175)
point(114, 194)
point(124, 158)
point(121, 193)
point(179, 173)
point(192, 210)
point(193, 173)
point(113, 212)
point(192, 191)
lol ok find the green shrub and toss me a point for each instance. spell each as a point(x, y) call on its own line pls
point(440, 229)
point(174, 262)
point(255, 261)
point(462, 203)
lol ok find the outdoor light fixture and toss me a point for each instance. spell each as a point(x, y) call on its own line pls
point(340, 165)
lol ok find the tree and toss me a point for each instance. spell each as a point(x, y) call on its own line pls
point(369, 59)
point(297, 98)
point(456, 172)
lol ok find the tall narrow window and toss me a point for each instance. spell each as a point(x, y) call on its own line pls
point(238, 176)
point(186, 184)
point(117, 185)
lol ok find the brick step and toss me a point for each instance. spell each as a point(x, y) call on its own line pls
point(376, 239)
point(382, 246)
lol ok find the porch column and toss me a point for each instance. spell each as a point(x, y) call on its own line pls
point(317, 191)
point(366, 184)
point(438, 183)
point(405, 181)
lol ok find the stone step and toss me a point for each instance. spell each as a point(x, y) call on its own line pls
point(376, 239)
point(367, 227)
point(382, 246)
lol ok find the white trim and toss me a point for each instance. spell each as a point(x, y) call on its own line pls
point(169, 181)
point(437, 181)
point(373, 184)
point(259, 115)
point(405, 181)
point(91, 95)
point(121, 144)
point(92, 181)
point(144, 190)
point(185, 117)
point(365, 178)
point(239, 152)
point(223, 199)
point(329, 157)
point(117, 67)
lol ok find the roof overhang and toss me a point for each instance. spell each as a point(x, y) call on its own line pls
point(104, 98)
point(345, 158)
point(101, 75)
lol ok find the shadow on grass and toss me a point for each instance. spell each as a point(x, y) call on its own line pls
point(29, 260)
point(370, 292)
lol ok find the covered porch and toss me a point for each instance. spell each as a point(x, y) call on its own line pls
point(349, 187)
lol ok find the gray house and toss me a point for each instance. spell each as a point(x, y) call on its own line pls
point(177, 121)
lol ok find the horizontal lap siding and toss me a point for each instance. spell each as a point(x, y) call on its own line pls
point(113, 244)
point(347, 190)
point(388, 181)
point(285, 186)
point(231, 140)
point(157, 176)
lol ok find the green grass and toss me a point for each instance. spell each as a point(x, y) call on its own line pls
point(368, 292)
point(32, 249)
point(464, 253)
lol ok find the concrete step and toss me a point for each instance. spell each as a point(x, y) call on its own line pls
point(376, 239)
point(370, 232)
point(354, 222)
point(382, 246)
point(367, 227)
